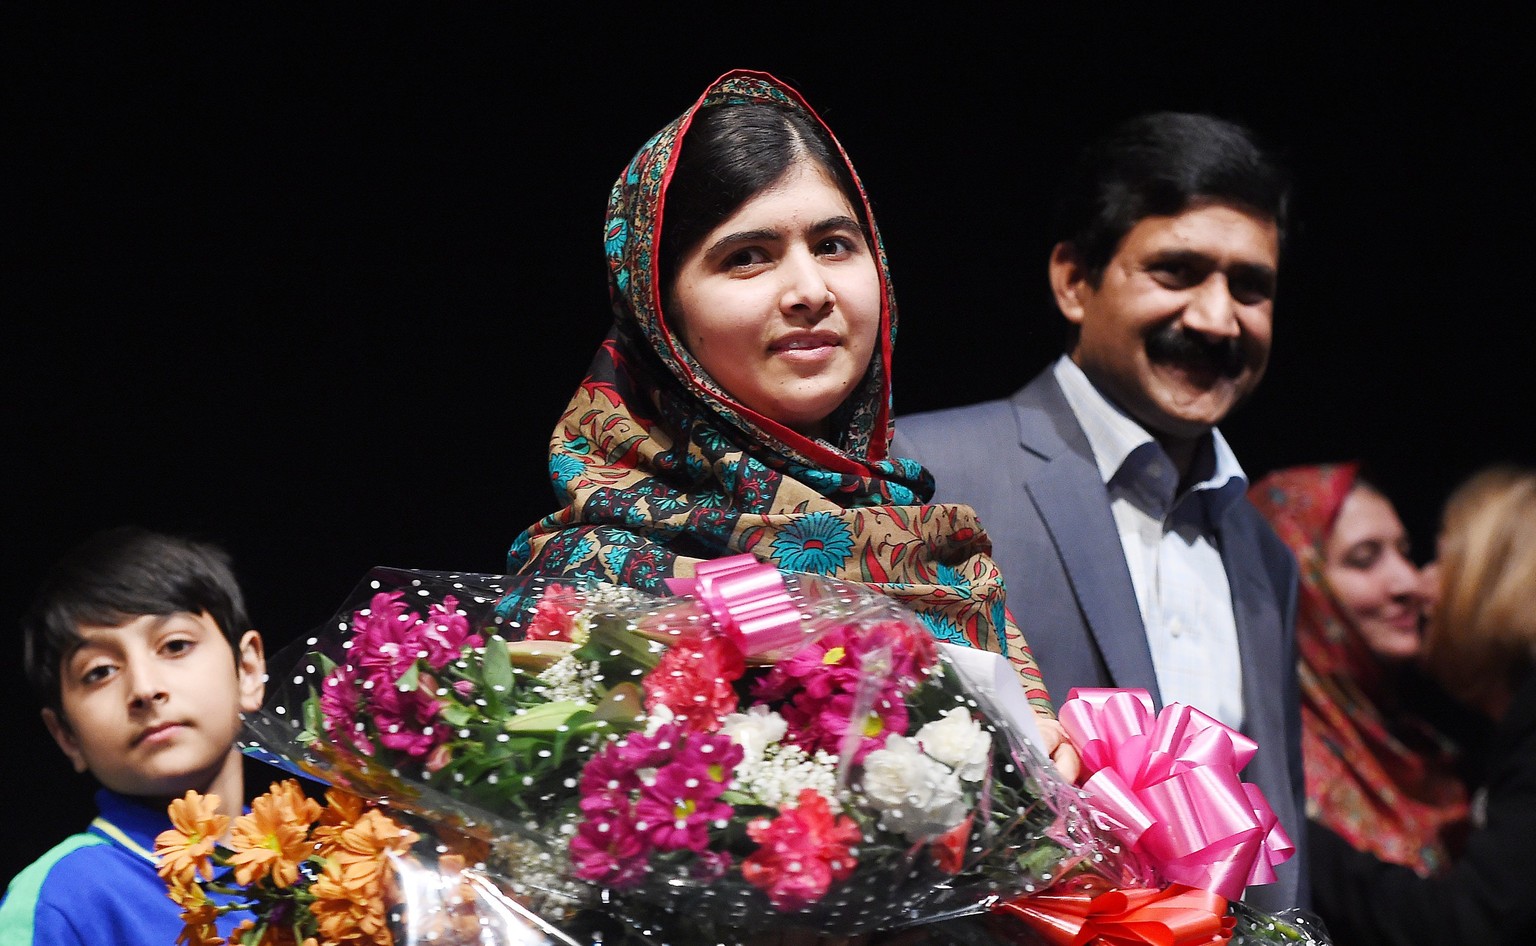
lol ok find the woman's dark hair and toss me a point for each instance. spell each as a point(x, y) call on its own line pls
point(118, 575)
point(1161, 164)
point(729, 153)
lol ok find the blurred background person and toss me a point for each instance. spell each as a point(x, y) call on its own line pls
point(1481, 645)
point(1379, 773)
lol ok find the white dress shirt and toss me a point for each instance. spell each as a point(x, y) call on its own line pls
point(1171, 548)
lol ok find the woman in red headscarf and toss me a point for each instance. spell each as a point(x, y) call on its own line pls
point(1378, 773)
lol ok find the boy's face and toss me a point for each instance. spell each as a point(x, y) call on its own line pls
point(152, 707)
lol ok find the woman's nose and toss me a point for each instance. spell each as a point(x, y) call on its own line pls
point(805, 291)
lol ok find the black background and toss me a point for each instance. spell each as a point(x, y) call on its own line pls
point(316, 283)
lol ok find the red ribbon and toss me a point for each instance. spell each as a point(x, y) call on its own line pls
point(748, 601)
point(1168, 787)
point(1130, 916)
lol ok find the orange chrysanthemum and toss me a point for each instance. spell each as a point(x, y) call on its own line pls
point(186, 849)
point(346, 914)
point(272, 840)
point(198, 915)
point(342, 810)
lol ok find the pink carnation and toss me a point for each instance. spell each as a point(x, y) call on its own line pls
point(803, 852)
point(554, 618)
point(694, 680)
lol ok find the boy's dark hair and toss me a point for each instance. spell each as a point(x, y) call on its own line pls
point(117, 575)
point(1158, 165)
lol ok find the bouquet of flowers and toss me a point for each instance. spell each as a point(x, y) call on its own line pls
point(757, 752)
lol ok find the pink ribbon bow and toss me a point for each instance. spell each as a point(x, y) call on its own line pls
point(1168, 785)
point(747, 600)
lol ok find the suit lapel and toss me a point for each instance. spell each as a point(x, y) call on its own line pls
point(1253, 609)
point(1069, 496)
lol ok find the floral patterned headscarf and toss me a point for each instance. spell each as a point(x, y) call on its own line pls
point(660, 467)
point(1377, 774)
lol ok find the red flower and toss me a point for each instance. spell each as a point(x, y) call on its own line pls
point(948, 849)
point(804, 850)
point(693, 679)
point(554, 617)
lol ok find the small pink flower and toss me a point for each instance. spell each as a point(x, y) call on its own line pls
point(607, 773)
point(407, 720)
point(339, 698)
point(639, 751)
point(836, 724)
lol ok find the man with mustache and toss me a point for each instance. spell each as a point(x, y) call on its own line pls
point(1131, 555)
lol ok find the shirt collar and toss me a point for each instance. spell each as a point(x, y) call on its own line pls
point(1116, 438)
point(134, 822)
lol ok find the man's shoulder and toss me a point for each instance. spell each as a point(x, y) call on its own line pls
point(992, 414)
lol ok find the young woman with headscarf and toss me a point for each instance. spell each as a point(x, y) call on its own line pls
point(741, 402)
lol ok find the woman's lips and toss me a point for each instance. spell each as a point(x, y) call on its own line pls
point(804, 343)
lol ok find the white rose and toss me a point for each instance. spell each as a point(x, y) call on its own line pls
point(916, 795)
point(754, 730)
point(957, 741)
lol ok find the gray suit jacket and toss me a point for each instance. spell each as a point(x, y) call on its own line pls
point(1026, 467)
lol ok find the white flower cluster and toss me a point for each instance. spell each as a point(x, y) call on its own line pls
point(569, 679)
point(541, 874)
point(773, 771)
point(916, 782)
point(602, 596)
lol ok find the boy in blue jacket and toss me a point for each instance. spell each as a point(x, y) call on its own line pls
point(140, 650)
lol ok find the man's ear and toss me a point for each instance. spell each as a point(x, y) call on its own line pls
point(1069, 282)
point(59, 729)
point(251, 671)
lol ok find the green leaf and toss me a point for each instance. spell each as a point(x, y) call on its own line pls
point(456, 714)
point(545, 717)
point(622, 708)
point(410, 680)
point(497, 667)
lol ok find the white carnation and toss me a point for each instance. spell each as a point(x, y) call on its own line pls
point(754, 730)
point(957, 740)
point(915, 794)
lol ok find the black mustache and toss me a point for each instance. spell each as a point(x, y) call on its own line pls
point(1171, 343)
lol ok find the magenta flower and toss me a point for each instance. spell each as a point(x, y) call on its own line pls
point(639, 751)
point(407, 720)
point(607, 774)
point(386, 641)
point(339, 698)
point(606, 849)
point(445, 635)
point(828, 724)
point(821, 667)
point(676, 810)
